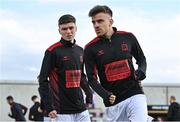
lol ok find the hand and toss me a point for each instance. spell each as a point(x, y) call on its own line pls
point(53, 114)
point(135, 76)
point(112, 99)
point(9, 115)
point(89, 105)
point(40, 110)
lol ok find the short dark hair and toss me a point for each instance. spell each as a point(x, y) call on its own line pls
point(173, 98)
point(100, 8)
point(67, 18)
point(9, 98)
point(33, 97)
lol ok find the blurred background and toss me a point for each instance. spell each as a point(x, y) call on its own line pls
point(29, 27)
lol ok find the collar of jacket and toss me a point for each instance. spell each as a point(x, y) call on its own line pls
point(36, 103)
point(12, 104)
point(67, 43)
point(105, 38)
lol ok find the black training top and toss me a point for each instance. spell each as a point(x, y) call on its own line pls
point(34, 114)
point(112, 61)
point(173, 112)
point(61, 77)
point(18, 111)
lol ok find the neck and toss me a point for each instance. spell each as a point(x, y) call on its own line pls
point(109, 33)
point(69, 40)
point(11, 103)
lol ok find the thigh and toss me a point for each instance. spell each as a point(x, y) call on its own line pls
point(117, 112)
point(137, 108)
point(65, 118)
point(82, 117)
point(48, 119)
point(60, 117)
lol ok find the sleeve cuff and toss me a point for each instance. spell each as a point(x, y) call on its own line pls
point(140, 75)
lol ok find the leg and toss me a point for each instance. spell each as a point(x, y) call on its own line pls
point(117, 112)
point(64, 118)
point(48, 119)
point(82, 117)
point(137, 108)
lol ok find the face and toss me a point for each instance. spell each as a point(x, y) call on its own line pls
point(102, 23)
point(171, 100)
point(68, 31)
point(35, 100)
point(9, 102)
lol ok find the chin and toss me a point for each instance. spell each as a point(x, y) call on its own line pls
point(68, 39)
point(99, 35)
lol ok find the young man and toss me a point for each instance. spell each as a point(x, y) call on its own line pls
point(62, 77)
point(18, 111)
point(34, 113)
point(110, 56)
point(174, 110)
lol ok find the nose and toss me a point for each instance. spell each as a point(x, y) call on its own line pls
point(96, 25)
point(68, 30)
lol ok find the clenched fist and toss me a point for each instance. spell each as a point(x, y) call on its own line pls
point(112, 99)
point(52, 114)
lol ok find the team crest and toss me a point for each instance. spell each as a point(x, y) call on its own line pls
point(124, 47)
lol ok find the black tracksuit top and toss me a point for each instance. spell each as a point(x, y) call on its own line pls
point(111, 60)
point(173, 112)
point(34, 114)
point(18, 112)
point(61, 79)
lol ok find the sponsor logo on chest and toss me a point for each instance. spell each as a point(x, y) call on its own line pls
point(66, 58)
point(100, 52)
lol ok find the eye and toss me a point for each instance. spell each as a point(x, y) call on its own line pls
point(71, 28)
point(64, 29)
point(93, 22)
point(100, 21)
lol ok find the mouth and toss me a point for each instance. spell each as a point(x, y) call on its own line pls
point(69, 36)
point(98, 30)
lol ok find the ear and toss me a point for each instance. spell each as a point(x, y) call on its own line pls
point(75, 28)
point(111, 21)
point(59, 31)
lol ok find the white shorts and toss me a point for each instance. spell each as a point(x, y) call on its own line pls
point(79, 117)
point(132, 109)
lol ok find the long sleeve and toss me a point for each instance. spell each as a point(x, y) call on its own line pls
point(92, 76)
point(31, 115)
point(14, 111)
point(12, 114)
point(85, 86)
point(24, 108)
point(18, 112)
point(170, 113)
point(140, 59)
point(44, 88)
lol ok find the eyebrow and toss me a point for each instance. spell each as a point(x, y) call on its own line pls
point(98, 20)
point(71, 27)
